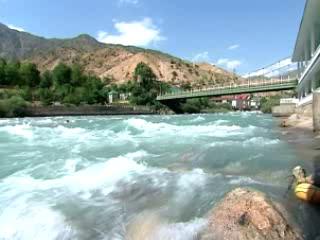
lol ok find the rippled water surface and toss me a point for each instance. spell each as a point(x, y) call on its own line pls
point(110, 177)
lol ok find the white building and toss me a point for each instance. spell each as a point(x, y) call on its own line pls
point(307, 52)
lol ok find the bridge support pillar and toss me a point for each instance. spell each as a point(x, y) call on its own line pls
point(316, 111)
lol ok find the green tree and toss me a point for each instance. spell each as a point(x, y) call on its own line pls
point(204, 105)
point(192, 106)
point(61, 92)
point(267, 103)
point(3, 64)
point(29, 75)
point(13, 107)
point(46, 80)
point(46, 96)
point(144, 75)
point(72, 99)
point(61, 74)
point(12, 76)
point(93, 87)
point(103, 95)
point(26, 93)
point(76, 75)
point(145, 87)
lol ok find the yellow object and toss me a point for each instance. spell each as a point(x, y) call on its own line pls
point(308, 192)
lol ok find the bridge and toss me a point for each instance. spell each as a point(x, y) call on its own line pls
point(279, 76)
point(232, 89)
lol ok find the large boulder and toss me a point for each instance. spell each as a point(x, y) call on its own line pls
point(246, 214)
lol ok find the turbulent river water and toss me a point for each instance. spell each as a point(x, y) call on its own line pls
point(115, 177)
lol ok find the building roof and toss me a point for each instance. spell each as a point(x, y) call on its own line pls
point(113, 92)
point(310, 22)
point(243, 97)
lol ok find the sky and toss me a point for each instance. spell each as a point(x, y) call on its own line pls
point(240, 35)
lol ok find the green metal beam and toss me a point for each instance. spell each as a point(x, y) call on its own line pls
point(265, 87)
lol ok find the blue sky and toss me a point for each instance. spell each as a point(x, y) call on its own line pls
point(240, 34)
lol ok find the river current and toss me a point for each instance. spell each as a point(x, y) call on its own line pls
point(122, 177)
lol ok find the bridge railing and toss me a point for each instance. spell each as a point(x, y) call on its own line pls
point(281, 72)
point(250, 84)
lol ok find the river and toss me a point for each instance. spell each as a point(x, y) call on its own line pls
point(111, 177)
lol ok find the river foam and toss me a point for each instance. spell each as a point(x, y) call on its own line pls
point(249, 142)
point(213, 129)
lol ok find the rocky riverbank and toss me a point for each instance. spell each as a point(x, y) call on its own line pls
point(243, 214)
point(298, 130)
point(246, 214)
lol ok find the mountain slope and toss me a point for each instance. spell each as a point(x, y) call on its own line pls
point(106, 60)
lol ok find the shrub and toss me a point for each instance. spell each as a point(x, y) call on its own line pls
point(174, 74)
point(190, 108)
point(205, 106)
point(13, 107)
point(267, 103)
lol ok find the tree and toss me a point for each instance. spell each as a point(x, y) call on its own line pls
point(93, 87)
point(3, 64)
point(12, 76)
point(103, 95)
point(144, 75)
point(192, 106)
point(46, 80)
point(72, 99)
point(29, 75)
point(13, 107)
point(145, 87)
point(267, 103)
point(61, 92)
point(46, 96)
point(26, 93)
point(76, 75)
point(174, 74)
point(61, 74)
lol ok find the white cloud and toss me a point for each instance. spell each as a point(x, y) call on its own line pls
point(201, 57)
point(278, 68)
point(134, 2)
point(230, 64)
point(137, 33)
point(16, 28)
point(233, 47)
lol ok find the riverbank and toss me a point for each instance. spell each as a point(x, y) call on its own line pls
point(298, 130)
point(86, 110)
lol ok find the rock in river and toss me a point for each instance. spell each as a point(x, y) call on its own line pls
point(246, 215)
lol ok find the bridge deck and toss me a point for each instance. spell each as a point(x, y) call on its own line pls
point(232, 90)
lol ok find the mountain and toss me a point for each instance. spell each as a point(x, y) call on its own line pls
point(22, 45)
point(116, 62)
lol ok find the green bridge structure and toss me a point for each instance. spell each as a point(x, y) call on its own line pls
point(231, 90)
point(280, 76)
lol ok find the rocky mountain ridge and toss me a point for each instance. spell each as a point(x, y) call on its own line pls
point(115, 62)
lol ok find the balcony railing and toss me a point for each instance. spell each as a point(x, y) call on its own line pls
point(310, 64)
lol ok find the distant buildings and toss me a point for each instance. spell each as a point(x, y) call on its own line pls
point(115, 97)
point(243, 102)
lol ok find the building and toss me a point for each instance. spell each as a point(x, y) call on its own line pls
point(113, 97)
point(307, 55)
point(307, 52)
point(239, 102)
point(242, 102)
point(255, 103)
